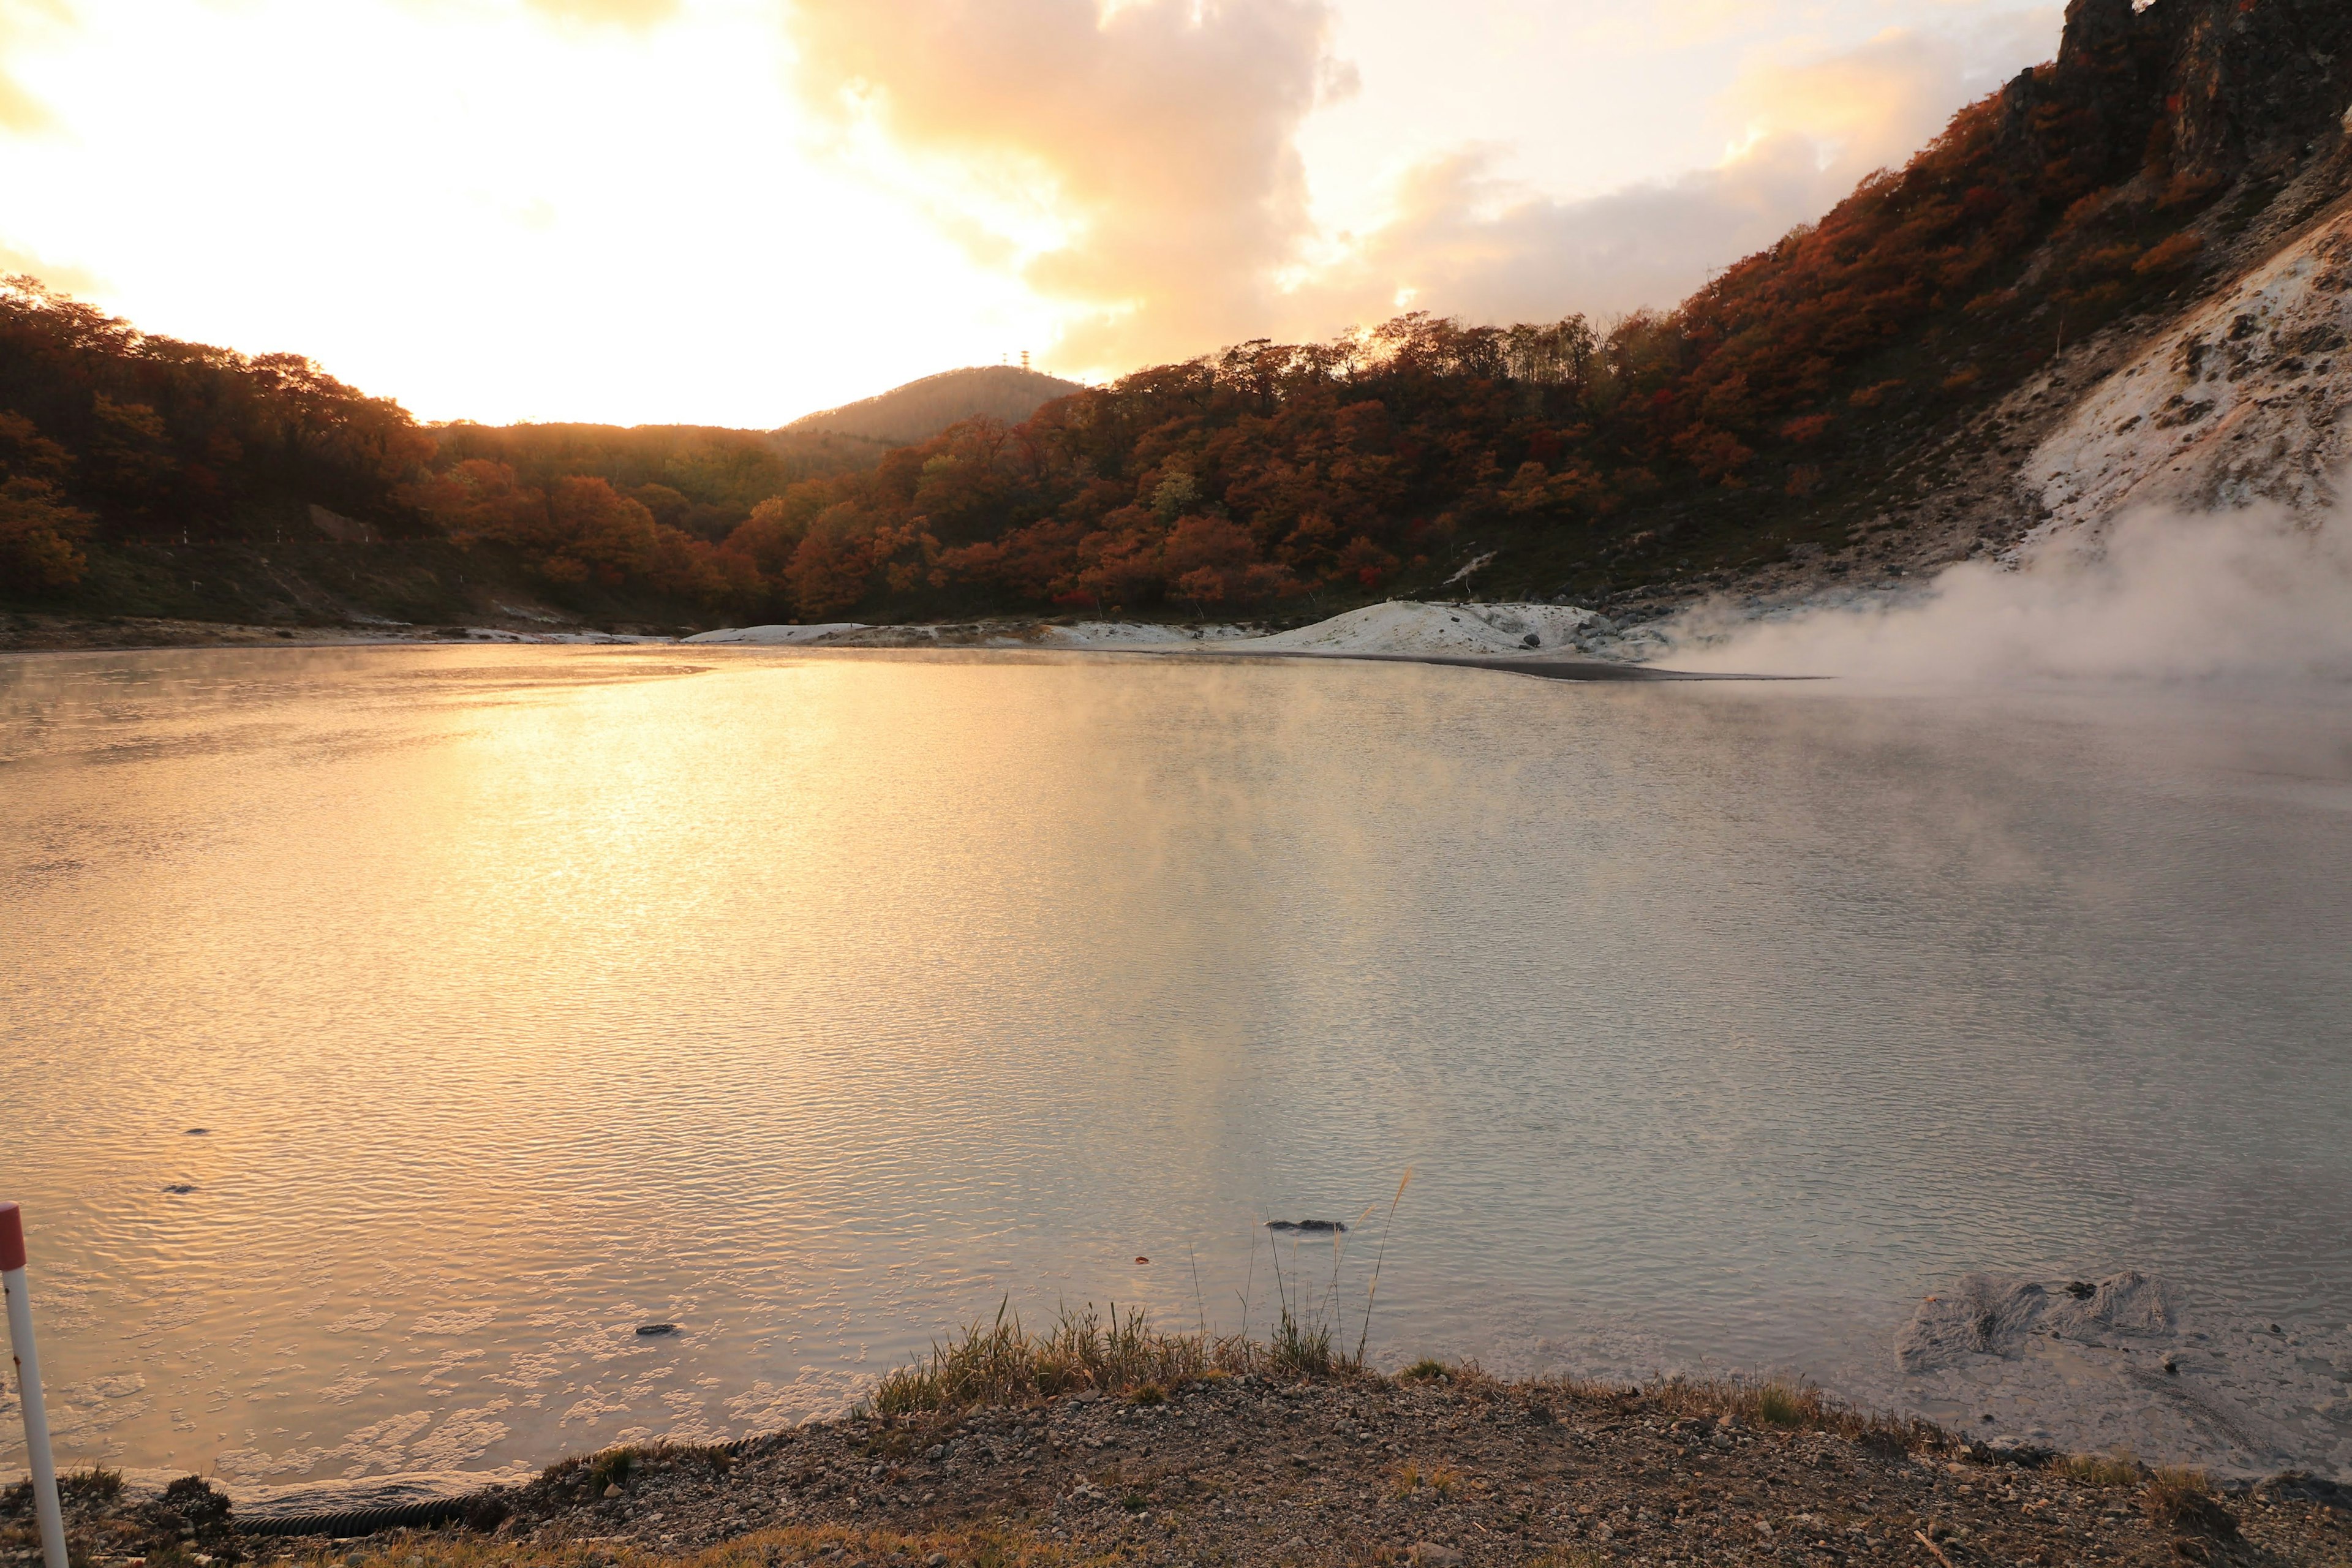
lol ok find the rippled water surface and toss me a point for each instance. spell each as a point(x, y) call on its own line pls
point(817, 1003)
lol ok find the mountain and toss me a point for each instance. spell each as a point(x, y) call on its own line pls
point(921, 409)
point(2125, 276)
point(2122, 277)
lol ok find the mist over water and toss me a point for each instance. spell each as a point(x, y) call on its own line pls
point(2242, 597)
point(817, 1003)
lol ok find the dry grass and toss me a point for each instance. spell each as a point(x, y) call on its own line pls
point(1788, 1406)
point(2101, 1469)
point(987, 1546)
point(1409, 1475)
point(610, 1467)
point(2184, 1500)
point(1002, 1362)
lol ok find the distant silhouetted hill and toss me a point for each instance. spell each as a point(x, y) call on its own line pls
point(921, 409)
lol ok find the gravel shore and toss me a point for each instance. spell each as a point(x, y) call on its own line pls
point(1346, 1471)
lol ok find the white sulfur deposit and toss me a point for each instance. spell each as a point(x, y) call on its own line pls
point(2130, 1362)
point(1405, 626)
point(2243, 402)
point(1133, 633)
point(777, 636)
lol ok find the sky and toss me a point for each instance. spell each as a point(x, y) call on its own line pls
point(735, 212)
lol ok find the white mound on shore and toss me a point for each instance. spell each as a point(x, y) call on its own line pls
point(778, 637)
point(1135, 634)
point(1406, 627)
point(2130, 1362)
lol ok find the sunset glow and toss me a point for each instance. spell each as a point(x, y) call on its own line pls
point(733, 211)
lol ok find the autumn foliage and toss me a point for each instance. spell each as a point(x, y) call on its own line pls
point(1246, 479)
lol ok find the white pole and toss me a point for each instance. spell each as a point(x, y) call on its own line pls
point(37, 1457)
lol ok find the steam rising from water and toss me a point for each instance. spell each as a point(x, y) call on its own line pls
point(2245, 595)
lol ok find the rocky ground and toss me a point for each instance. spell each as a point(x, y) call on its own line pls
point(1453, 1470)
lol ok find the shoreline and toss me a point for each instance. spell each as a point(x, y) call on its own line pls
point(1437, 1466)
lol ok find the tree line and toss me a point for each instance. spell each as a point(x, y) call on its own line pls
point(1239, 480)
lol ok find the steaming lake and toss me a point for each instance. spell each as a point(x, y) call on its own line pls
point(817, 1002)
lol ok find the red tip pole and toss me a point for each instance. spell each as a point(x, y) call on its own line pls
point(37, 1457)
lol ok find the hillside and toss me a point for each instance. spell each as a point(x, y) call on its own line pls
point(2120, 277)
point(921, 409)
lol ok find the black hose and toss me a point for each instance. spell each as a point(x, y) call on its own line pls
point(368, 1520)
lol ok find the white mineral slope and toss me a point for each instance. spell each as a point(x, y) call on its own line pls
point(778, 635)
point(1408, 628)
point(2244, 401)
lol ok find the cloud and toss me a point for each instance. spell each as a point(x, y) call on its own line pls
point(1156, 142)
point(1461, 240)
point(1157, 136)
point(61, 276)
point(20, 112)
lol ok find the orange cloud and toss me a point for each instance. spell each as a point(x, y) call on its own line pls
point(61, 276)
point(1462, 241)
point(20, 112)
point(1156, 137)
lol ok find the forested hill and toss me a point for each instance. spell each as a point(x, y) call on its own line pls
point(921, 409)
point(1788, 404)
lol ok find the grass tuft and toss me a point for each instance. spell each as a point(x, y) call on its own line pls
point(1301, 1351)
point(1778, 1405)
point(1002, 1362)
point(2101, 1470)
point(614, 1466)
point(2184, 1500)
point(96, 1484)
point(1407, 1477)
point(1775, 1404)
point(1426, 1370)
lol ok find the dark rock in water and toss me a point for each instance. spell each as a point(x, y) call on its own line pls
point(649, 1330)
point(1313, 1227)
point(180, 1187)
point(198, 1131)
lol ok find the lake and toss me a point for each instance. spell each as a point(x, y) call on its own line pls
point(817, 1002)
